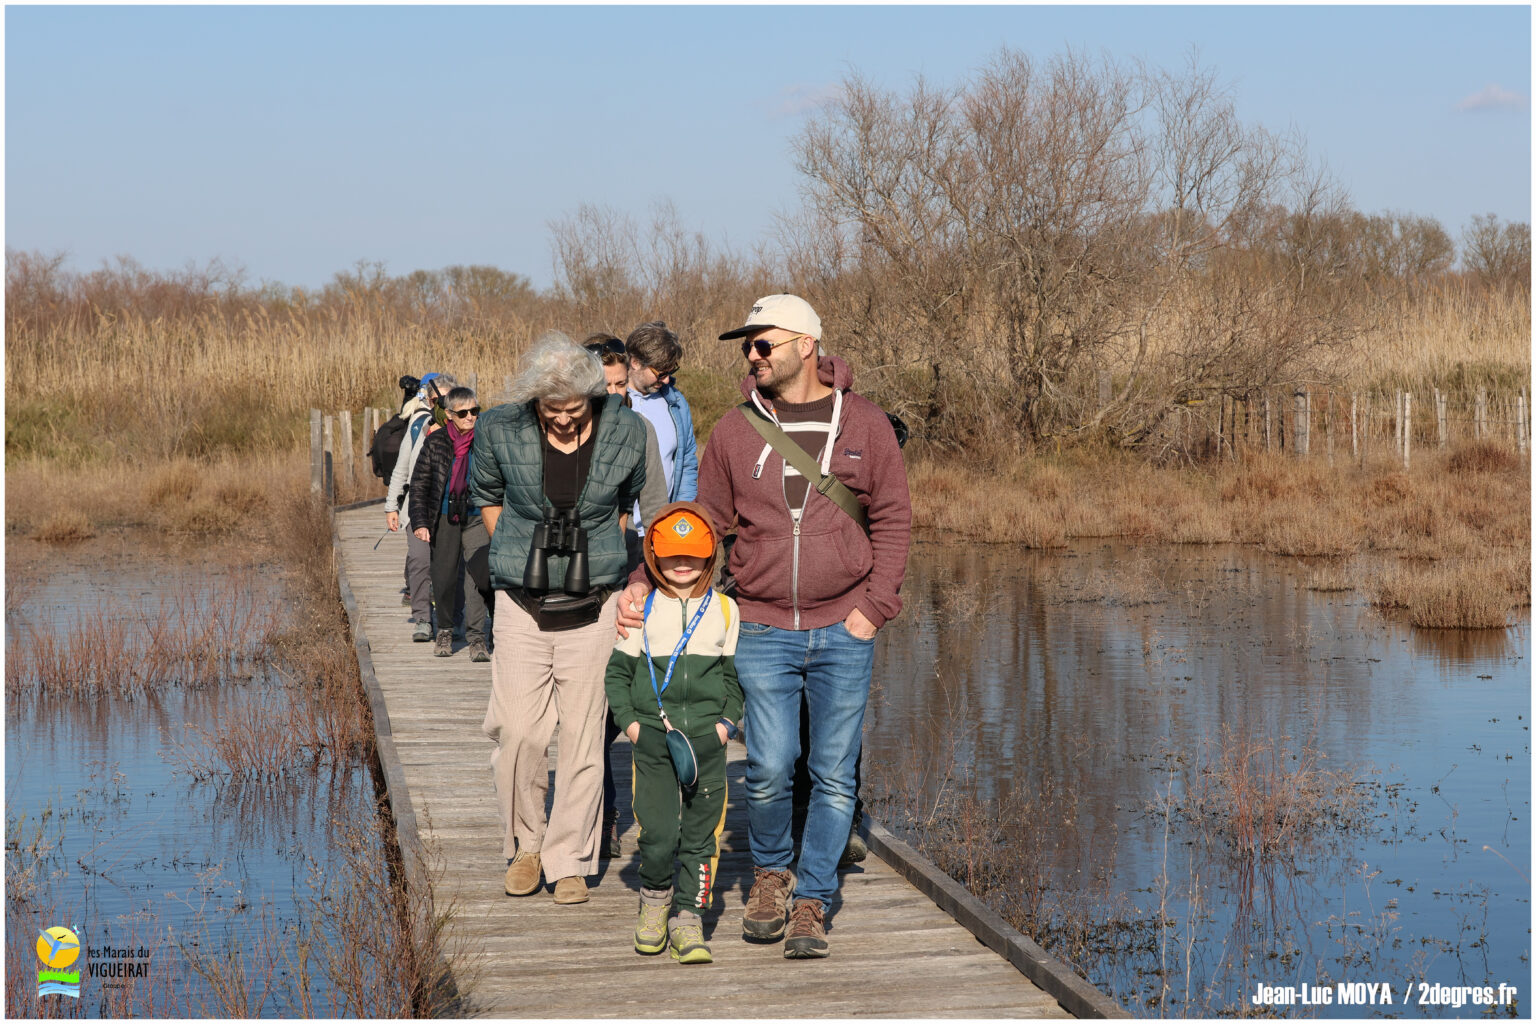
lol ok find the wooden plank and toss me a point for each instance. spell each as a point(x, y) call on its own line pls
point(895, 951)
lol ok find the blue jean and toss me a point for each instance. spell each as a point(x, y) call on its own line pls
point(831, 667)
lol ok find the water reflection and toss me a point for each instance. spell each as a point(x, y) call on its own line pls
point(125, 821)
point(1101, 682)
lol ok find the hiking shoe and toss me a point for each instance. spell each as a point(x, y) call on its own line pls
point(422, 633)
point(523, 874)
point(477, 651)
point(854, 852)
point(571, 889)
point(685, 934)
point(807, 936)
point(444, 646)
point(767, 905)
point(405, 598)
point(651, 929)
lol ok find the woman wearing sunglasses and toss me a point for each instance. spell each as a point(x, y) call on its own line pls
point(440, 496)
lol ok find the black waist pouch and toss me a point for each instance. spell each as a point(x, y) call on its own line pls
point(557, 612)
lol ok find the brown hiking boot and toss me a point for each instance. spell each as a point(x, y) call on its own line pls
point(767, 905)
point(443, 648)
point(807, 936)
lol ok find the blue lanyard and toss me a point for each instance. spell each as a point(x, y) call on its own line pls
point(645, 641)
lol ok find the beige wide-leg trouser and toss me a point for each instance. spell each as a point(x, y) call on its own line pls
point(539, 680)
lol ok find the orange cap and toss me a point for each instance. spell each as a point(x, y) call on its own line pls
point(681, 533)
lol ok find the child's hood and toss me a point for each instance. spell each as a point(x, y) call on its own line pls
point(706, 577)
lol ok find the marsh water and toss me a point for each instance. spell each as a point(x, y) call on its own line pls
point(1078, 698)
point(195, 889)
point(1089, 703)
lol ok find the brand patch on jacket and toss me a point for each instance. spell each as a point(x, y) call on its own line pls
point(854, 453)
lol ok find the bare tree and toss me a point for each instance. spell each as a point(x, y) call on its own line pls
point(1037, 223)
point(1498, 255)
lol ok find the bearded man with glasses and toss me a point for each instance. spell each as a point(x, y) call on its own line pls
point(814, 584)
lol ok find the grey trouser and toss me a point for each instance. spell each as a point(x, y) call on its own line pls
point(450, 542)
point(418, 576)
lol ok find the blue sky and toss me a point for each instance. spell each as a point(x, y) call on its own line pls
point(295, 141)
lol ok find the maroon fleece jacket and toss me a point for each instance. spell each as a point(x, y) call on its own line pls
point(838, 568)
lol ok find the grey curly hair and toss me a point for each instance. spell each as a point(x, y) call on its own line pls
point(556, 367)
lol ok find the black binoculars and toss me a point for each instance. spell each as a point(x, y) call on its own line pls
point(558, 534)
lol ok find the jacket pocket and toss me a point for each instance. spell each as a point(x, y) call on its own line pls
point(825, 573)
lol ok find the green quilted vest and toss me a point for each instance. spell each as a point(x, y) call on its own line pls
point(508, 470)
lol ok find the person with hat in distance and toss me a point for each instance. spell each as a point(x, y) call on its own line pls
point(418, 414)
point(814, 586)
point(677, 675)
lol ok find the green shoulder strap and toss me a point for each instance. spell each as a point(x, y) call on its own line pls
point(825, 483)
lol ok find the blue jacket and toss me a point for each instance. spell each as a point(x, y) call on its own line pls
point(685, 465)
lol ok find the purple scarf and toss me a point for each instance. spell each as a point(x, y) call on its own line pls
point(458, 479)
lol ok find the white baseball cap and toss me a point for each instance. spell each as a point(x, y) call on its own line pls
point(787, 312)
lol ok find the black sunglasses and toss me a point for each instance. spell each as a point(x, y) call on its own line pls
point(599, 348)
point(765, 348)
point(459, 414)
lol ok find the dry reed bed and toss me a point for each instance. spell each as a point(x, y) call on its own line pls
point(192, 636)
point(1456, 526)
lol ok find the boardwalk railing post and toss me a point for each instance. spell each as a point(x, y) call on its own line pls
point(1268, 437)
point(1407, 426)
point(316, 454)
point(1354, 425)
point(345, 419)
point(330, 475)
point(1440, 432)
point(1480, 415)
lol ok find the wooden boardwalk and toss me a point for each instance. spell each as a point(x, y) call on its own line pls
point(895, 953)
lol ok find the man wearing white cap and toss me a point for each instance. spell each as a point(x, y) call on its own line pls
point(819, 558)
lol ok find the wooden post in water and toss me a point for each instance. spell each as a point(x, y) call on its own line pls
point(345, 419)
point(1407, 427)
point(1440, 432)
point(1301, 423)
point(1480, 415)
point(316, 454)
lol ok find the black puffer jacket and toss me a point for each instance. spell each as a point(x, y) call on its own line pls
point(429, 480)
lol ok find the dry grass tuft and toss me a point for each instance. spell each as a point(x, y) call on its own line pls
point(1264, 797)
point(1483, 457)
point(67, 527)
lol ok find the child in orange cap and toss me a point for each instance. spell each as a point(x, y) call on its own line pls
point(673, 690)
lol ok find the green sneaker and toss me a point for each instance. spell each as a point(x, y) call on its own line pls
point(687, 939)
point(651, 929)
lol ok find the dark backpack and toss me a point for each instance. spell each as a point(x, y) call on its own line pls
point(385, 448)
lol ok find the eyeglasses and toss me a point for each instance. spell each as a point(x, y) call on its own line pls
point(460, 414)
point(765, 348)
point(600, 348)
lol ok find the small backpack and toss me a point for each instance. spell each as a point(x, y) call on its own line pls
point(385, 448)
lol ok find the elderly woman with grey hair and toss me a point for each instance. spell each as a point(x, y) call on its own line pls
point(552, 471)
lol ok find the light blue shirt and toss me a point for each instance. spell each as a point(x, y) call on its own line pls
point(654, 408)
